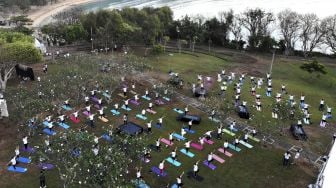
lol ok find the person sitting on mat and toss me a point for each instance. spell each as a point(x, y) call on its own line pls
point(210, 158)
point(236, 142)
point(189, 125)
point(136, 98)
point(25, 142)
point(146, 93)
point(91, 118)
point(125, 118)
point(88, 109)
point(17, 151)
point(61, 118)
point(208, 135)
point(225, 145)
point(329, 112)
point(75, 114)
point(143, 112)
point(183, 132)
point(66, 103)
point(246, 137)
point(13, 162)
point(138, 174)
point(161, 166)
point(87, 100)
point(125, 91)
point(186, 110)
point(171, 138)
point(179, 180)
point(149, 126)
point(195, 169)
point(158, 144)
point(187, 146)
point(173, 154)
point(150, 106)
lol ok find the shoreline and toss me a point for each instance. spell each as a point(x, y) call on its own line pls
point(41, 14)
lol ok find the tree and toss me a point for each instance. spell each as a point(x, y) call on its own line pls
point(330, 36)
point(165, 40)
point(314, 67)
point(236, 30)
point(312, 32)
point(256, 21)
point(289, 28)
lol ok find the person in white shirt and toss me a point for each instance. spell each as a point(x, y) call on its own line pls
point(160, 120)
point(195, 169)
point(138, 174)
point(125, 91)
point(213, 113)
point(133, 86)
point(116, 106)
point(150, 106)
point(87, 100)
point(50, 126)
point(186, 110)
point(219, 131)
point(146, 93)
point(136, 98)
point(329, 112)
point(61, 118)
point(283, 89)
point(143, 112)
point(179, 180)
point(171, 138)
point(149, 127)
point(208, 135)
point(101, 112)
point(93, 93)
point(201, 141)
point(88, 109)
point(125, 118)
point(95, 149)
point(158, 144)
point(173, 155)
point(39, 94)
point(246, 137)
point(187, 146)
point(210, 158)
point(244, 103)
point(66, 103)
point(321, 107)
point(225, 145)
point(189, 125)
point(75, 114)
point(323, 121)
point(254, 132)
point(232, 125)
point(91, 118)
point(296, 157)
point(183, 132)
point(302, 100)
point(17, 152)
point(253, 90)
point(258, 105)
point(25, 142)
point(161, 166)
point(13, 162)
point(236, 142)
point(286, 158)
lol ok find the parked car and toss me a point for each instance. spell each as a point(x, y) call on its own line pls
point(243, 112)
point(298, 132)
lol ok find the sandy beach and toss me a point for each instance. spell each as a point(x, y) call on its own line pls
point(41, 13)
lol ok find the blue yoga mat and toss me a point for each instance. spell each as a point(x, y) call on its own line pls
point(127, 109)
point(23, 160)
point(234, 129)
point(147, 98)
point(179, 137)
point(189, 131)
point(178, 111)
point(17, 169)
point(174, 186)
point(189, 154)
point(114, 112)
point(158, 126)
point(141, 117)
point(64, 125)
point(106, 95)
point(107, 137)
point(231, 146)
point(45, 123)
point(174, 162)
point(47, 131)
point(156, 170)
point(66, 108)
point(166, 98)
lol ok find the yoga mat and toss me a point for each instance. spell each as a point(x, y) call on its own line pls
point(29, 149)
point(167, 142)
point(114, 112)
point(156, 170)
point(196, 146)
point(97, 106)
point(214, 120)
point(210, 165)
point(140, 184)
point(48, 132)
point(226, 152)
point(174, 162)
point(133, 92)
point(229, 132)
point(107, 137)
point(254, 138)
point(64, 125)
point(189, 131)
point(134, 102)
point(174, 186)
point(23, 160)
point(122, 95)
point(145, 160)
point(45, 123)
point(178, 111)
point(158, 126)
point(189, 154)
point(67, 108)
point(234, 129)
point(217, 158)
point(245, 144)
point(46, 166)
point(208, 141)
point(86, 113)
point(159, 102)
point(166, 98)
point(94, 99)
point(151, 111)
point(147, 98)
point(73, 119)
point(178, 137)
point(103, 119)
point(127, 109)
point(237, 149)
point(17, 169)
point(106, 95)
point(141, 117)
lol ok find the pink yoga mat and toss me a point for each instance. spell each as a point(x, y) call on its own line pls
point(196, 146)
point(167, 142)
point(72, 118)
point(208, 141)
point(226, 152)
point(217, 158)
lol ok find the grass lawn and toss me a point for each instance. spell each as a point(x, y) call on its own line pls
point(257, 167)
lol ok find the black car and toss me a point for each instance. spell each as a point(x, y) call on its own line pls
point(298, 132)
point(243, 112)
point(186, 118)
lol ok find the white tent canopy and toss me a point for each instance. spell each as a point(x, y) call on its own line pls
point(327, 178)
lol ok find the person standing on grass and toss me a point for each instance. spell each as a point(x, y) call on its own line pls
point(149, 126)
point(189, 125)
point(61, 119)
point(225, 146)
point(91, 118)
point(302, 100)
point(246, 137)
point(286, 158)
point(183, 132)
point(296, 156)
point(171, 138)
point(136, 98)
point(150, 106)
point(195, 169)
point(66, 103)
point(213, 113)
point(160, 121)
point(219, 131)
point(323, 121)
point(124, 91)
point(138, 174)
point(116, 107)
point(283, 89)
point(179, 180)
point(87, 100)
point(208, 135)
point(17, 152)
point(201, 141)
point(236, 142)
point(42, 180)
point(146, 93)
point(161, 166)
point(158, 144)
point(88, 109)
point(321, 107)
point(329, 112)
point(101, 113)
point(125, 118)
point(126, 103)
point(143, 112)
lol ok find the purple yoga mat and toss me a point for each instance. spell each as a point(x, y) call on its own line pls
point(156, 170)
point(86, 113)
point(46, 166)
point(94, 99)
point(135, 102)
point(159, 102)
point(210, 165)
point(29, 149)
